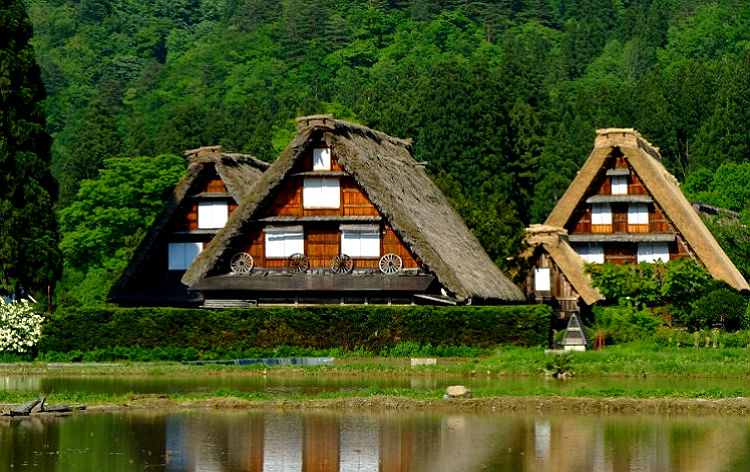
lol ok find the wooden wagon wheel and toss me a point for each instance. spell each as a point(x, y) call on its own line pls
point(390, 264)
point(298, 262)
point(242, 263)
point(342, 264)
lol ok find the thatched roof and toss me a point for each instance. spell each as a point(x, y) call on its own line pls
point(554, 240)
point(238, 172)
point(401, 190)
point(645, 161)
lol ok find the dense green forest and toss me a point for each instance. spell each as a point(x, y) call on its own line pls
point(501, 98)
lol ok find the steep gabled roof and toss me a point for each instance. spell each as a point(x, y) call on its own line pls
point(645, 160)
point(401, 190)
point(554, 240)
point(238, 172)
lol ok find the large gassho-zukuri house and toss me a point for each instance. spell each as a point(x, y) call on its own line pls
point(214, 184)
point(345, 215)
point(622, 207)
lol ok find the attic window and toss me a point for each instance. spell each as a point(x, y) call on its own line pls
point(283, 241)
point(360, 240)
point(321, 193)
point(541, 279)
point(181, 255)
point(619, 185)
point(212, 215)
point(322, 159)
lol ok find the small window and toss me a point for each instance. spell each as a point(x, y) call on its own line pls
point(601, 214)
point(360, 241)
point(619, 185)
point(181, 255)
point(637, 214)
point(542, 279)
point(653, 252)
point(212, 215)
point(322, 159)
point(284, 241)
point(321, 193)
point(592, 253)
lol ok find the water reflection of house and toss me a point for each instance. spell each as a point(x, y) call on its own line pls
point(422, 442)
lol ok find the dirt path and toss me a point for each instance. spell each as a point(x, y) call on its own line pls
point(573, 405)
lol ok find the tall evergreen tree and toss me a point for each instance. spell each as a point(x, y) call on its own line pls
point(96, 140)
point(29, 256)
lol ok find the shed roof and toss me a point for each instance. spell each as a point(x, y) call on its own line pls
point(554, 240)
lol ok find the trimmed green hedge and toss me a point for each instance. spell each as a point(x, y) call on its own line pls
point(321, 327)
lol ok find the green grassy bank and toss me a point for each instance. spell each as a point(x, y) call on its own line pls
point(625, 360)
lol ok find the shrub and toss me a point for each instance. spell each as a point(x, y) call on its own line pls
point(723, 307)
point(366, 328)
point(20, 326)
point(625, 323)
point(669, 337)
point(679, 287)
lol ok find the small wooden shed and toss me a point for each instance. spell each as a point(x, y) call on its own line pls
point(556, 276)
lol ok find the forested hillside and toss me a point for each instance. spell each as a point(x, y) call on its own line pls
point(501, 98)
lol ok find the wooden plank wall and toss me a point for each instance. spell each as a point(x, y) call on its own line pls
point(288, 202)
point(623, 252)
point(564, 298)
point(186, 218)
point(323, 240)
point(321, 244)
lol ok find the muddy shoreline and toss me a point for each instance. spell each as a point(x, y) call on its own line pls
point(379, 403)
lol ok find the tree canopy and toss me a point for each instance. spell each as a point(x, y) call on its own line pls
point(501, 98)
point(29, 258)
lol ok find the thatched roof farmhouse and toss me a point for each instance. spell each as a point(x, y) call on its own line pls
point(346, 215)
point(623, 206)
point(215, 182)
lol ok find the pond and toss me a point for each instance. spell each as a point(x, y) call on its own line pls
point(314, 384)
point(253, 441)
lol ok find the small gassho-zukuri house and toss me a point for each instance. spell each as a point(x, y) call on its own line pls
point(557, 277)
point(200, 205)
point(346, 216)
point(622, 207)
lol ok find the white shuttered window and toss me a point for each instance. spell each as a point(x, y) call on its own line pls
point(284, 241)
point(360, 240)
point(591, 252)
point(542, 279)
point(212, 215)
point(181, 255)
point(619, 185)
point(322, 159)
point(637, 214)
point(653, 252)
point(321, 193)
point(601, 214)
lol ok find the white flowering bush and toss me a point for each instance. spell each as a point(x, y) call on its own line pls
point(20, 327)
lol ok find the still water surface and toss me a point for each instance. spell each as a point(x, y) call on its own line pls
point(253, 441)
point(314, 384)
